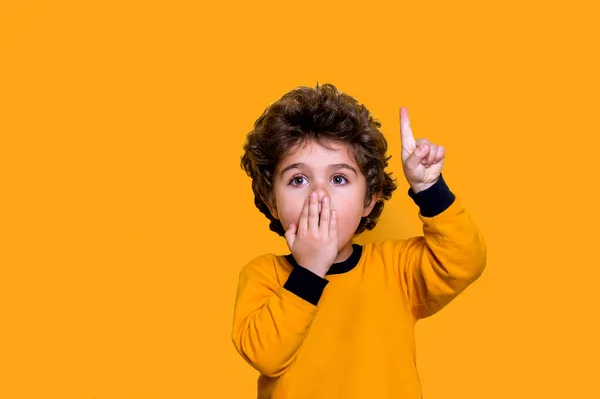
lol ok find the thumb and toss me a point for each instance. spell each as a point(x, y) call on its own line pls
point(420, 153)
point(290, 235)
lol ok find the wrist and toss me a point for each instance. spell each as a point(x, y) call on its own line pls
point(433, 200)
point(319, 271)
point(314, 266)
point(305, 284)
point(418, 187)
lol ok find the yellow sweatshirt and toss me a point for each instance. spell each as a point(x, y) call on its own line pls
point(351, 334)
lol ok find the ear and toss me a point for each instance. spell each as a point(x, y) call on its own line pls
point(367, 209)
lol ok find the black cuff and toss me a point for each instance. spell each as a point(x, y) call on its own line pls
point(433, 200)
point(305, 284)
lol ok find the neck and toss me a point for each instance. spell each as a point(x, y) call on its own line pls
point(344, 253)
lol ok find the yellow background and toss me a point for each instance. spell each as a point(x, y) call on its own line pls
point(125, 217)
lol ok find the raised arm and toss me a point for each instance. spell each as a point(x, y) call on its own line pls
point(451, 254)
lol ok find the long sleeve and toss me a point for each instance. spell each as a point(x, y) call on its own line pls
point(451, 254)
point(272, 320)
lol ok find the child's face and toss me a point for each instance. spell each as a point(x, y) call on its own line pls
point(333, 173)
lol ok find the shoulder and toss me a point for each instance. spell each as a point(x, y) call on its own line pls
point(268, 267)
point(388, 251)
point(260, 263)
point(384, 247)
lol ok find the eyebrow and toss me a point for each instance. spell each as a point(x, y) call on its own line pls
point(300, 165)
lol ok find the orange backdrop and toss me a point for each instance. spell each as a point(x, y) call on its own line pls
point(126, 218)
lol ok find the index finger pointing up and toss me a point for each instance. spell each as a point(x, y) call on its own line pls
point(406, 134)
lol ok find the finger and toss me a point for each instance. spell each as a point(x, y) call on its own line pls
point(420, 142)
point(325, 217)
point(432, 154)
point(313, 213)
point(303, 223)
point(440, 155)
point(406, 135)
point(333, 225)
point(419, 154)
point(290, 235)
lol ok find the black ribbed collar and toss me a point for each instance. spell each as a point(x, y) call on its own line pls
point(340, 267)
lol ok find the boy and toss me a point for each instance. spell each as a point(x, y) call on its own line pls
point(334, 319)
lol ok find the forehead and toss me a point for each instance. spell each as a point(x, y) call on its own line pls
point(318, 154)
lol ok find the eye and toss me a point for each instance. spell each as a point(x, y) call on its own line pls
point(340, 180)
point(297, 180)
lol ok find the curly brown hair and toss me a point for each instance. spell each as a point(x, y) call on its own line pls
point(321, 114)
